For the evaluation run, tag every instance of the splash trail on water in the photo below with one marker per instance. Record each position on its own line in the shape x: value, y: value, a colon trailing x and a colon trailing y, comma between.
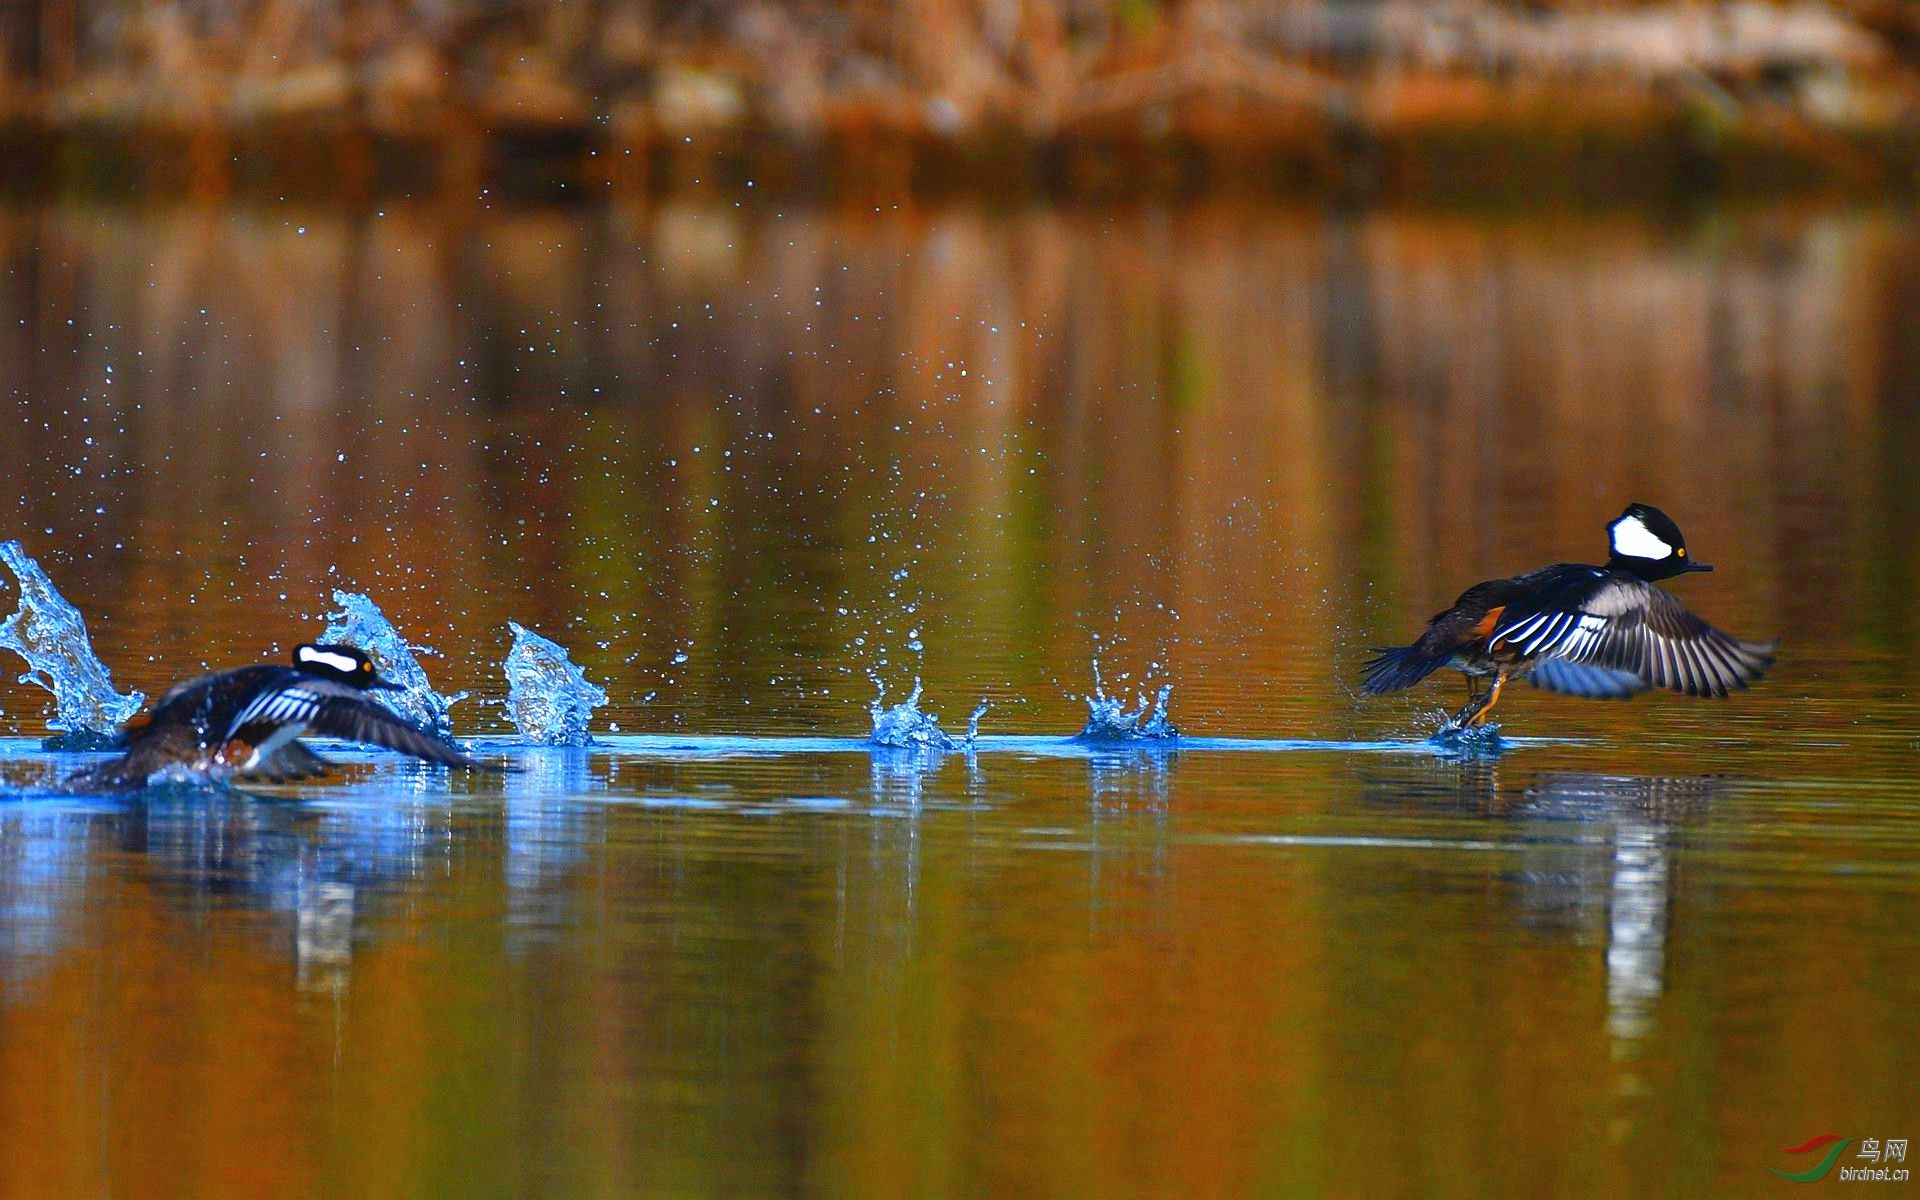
x: 1472, y: 741
x: 361, y: 624
x: 548, y: 696
x: 1110, y: 720
x: 905, y: 726
x: 51, y: 635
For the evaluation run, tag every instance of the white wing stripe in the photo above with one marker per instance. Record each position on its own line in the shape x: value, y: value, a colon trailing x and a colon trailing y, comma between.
x: 285, y: 706
x: 1569, y: 635
x: 1585, y: 639
x: 1517, y: 630
x: 1549, y: 636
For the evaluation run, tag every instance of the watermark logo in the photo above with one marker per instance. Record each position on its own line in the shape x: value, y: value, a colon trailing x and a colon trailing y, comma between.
x: 1871, y: 1149
x: 1807, y: 1147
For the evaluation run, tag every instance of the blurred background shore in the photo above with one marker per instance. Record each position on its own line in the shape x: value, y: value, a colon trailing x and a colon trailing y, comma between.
x: 1003, y: 99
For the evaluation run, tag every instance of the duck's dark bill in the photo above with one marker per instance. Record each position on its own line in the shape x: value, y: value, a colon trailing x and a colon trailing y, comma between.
x: 1698, y: 566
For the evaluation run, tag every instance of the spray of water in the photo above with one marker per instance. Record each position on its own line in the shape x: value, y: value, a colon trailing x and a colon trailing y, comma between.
x: 361, y: 624
x: 51, y: 635
x: 1109, y: 719
x: 1472, y: 741
x: 548, y: 696
x: 905, y: 726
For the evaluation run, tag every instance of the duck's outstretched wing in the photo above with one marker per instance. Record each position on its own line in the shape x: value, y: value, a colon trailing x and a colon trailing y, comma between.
x: 291, y: 763
x: 1625, y: 625
x: 1581, y: 679
x: 336, y: 710
x: 355, y: 717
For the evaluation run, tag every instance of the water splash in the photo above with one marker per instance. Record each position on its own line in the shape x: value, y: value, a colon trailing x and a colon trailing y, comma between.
x: 361, y: 624
x: 973, y: 722
x: 1110, y: 720
x: 905, y: 726
x: 51, y: 635
x: 548, y: 697
x: 1471, y: 741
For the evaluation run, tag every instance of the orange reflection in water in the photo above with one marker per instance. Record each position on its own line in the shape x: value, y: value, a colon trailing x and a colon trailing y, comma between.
x: 1244, y: 444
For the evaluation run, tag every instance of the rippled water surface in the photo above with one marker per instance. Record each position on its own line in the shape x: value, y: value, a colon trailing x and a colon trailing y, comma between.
x: 749, y: 465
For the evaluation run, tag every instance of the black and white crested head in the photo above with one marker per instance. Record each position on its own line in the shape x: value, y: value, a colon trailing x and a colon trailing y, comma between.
x: 339, y: 663
x: 1647, y: 543
x: 1645, y: 532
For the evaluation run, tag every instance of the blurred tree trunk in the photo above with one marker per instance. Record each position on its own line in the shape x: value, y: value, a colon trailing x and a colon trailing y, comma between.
x: 39, y: 41
x: 59, y: 41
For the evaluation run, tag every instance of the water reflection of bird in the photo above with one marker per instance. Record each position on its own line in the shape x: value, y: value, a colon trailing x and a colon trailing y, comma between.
x: 1651, y: 799
x: 247, y: 723
x: 1602, y: 632
x: 323, y: 870
x: 1635, y: 879
x: 1596, y: 860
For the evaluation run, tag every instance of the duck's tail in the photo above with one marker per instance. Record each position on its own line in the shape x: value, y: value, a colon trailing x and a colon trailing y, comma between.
x: 1396, y: 667
x: 121, y: 773
x: 131, y: 768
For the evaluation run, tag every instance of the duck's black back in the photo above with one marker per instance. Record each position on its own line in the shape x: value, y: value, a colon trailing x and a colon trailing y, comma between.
x: 209, y: 704
x: 1562, y: 587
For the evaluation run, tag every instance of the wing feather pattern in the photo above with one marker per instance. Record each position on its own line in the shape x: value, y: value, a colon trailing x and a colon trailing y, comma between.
x: 336, y: 710
x: 1629, y: 628
x: 354, y: 718
x: 1579, y: 679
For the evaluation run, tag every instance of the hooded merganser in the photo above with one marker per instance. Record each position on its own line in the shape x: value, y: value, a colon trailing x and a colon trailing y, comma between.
x: 1586, y: 631
x: 244, y: 722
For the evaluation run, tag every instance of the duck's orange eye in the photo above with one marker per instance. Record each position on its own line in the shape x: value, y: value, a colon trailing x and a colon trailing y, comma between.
x: 1683, y: 552
x: 369, y: 666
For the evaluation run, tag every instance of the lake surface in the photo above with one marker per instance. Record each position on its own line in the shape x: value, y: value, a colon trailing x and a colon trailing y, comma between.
x: 745, y: 463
